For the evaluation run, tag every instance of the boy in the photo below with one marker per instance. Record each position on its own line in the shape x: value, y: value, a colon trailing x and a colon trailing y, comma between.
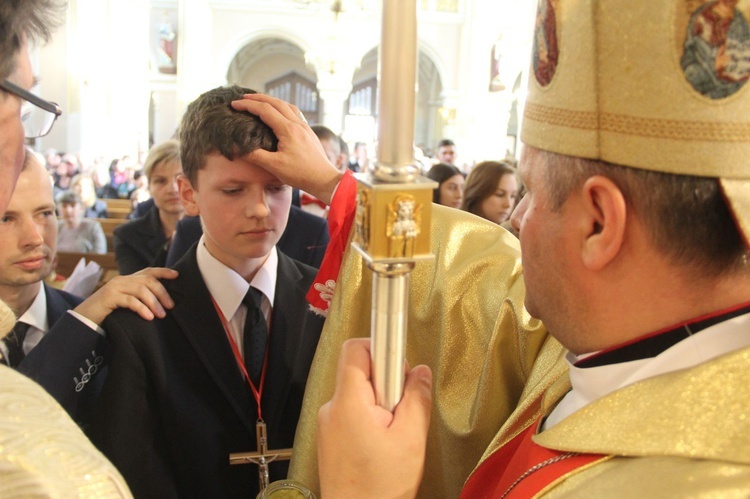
x: 177, y: 400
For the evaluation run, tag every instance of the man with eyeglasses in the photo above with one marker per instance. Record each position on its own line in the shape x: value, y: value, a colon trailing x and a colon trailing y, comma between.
x: 42, y: 451
x: 37, y: 114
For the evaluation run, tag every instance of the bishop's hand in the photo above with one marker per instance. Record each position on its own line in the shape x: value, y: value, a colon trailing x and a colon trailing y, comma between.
x: 365, y: 451
x: 300, y: 160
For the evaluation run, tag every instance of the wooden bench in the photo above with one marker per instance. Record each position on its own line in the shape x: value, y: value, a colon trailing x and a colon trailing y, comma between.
x: 108, y: 226
x: 118, y: 208
x: 118, y: 203
x: 118, y: 213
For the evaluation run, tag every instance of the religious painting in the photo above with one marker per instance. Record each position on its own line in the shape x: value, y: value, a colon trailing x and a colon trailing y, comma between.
x: 163, y: 28
x: 715, y: 45
x: 545, y: 51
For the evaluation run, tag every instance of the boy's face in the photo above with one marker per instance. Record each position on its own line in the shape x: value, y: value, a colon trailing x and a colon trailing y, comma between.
x: 243, y: 209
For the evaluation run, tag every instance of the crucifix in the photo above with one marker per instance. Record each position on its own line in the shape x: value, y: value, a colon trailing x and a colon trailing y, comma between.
x: 262, y: 457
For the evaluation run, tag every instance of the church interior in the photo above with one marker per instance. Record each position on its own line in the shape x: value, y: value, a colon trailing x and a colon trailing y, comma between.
x: 123, y: 71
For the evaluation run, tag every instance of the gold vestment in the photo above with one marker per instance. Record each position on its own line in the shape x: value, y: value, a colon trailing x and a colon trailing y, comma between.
x: 466, y: 321
x: 43, y: 453
x: 680, y: 434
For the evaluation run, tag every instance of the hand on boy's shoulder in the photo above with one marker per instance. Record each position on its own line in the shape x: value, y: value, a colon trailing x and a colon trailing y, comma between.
x: 141, y: 292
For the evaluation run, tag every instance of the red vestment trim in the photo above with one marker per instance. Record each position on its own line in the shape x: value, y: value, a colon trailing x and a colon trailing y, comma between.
x: 340, y: 220
x: 497, y: 475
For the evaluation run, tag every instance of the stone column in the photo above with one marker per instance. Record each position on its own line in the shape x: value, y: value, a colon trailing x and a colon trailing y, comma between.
x: 333, y: 89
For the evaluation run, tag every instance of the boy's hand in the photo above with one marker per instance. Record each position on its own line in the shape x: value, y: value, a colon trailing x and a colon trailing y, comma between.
x: 140, y: 292
x: 300, y: 160
x: 365, y: 451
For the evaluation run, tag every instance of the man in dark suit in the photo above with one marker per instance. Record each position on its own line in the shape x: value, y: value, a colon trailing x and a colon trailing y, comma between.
x: 305, y: 238
x: 57, y: 341
x: 185, y: 391
x: 28, y: 244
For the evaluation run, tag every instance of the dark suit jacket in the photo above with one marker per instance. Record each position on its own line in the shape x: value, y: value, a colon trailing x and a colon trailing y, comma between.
x: 305, y: 238
x: 69, y: 360
x: 142, y: 208
x: 58, y: 303
x: 174, y: 404
x: 140, y: 243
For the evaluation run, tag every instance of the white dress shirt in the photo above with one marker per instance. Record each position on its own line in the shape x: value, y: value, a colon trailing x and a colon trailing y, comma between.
x: 228, y: 288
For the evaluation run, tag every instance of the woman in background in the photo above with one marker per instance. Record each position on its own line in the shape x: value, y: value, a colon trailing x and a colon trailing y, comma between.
x: 450, y: 190
x: 93, y: 207
x: 491, y: 191
x: 76, y: 234
x: 144, y: 242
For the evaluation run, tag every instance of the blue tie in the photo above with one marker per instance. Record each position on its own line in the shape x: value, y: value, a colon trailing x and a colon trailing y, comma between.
x: 254, y: 335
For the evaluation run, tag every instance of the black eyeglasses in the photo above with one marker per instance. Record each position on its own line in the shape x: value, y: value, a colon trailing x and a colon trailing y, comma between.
x: 37, y: 114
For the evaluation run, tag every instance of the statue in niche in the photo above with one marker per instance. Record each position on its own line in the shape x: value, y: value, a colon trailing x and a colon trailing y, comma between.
x: 496, y: 83
x: 167, y: 50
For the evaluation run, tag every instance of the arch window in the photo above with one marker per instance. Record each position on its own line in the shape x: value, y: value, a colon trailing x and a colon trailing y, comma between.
x: 298, y: 90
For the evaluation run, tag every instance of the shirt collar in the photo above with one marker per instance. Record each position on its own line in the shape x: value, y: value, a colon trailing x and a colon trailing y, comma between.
x: 227, y: 287
x: 36, y: 315
x: 592, y: 383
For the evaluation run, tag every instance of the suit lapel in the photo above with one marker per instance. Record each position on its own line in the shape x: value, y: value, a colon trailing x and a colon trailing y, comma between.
x: 198, y: 320
x: 154, y: 235
x: 56, y: 305
x: 284, y: 341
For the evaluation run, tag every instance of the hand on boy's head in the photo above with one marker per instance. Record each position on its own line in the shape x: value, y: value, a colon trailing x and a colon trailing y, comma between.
x: 358, y: 440
x: 140, y: 292
x: 300, y: 160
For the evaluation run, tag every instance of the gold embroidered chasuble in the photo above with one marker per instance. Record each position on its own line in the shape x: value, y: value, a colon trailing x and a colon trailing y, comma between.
x: 43, y: 453
x: 466, y: 321
x: 681, y: 434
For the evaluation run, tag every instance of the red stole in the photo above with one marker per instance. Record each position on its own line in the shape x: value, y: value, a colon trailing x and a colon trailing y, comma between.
x: 498, y: 476
x: 340, y: 221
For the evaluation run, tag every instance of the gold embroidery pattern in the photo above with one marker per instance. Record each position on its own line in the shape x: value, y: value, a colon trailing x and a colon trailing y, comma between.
x: 645, y: 127
x: 677, y: 130
x: 562, y: 117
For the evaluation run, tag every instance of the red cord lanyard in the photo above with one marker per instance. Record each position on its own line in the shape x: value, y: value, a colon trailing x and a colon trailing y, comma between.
x: 257, y: 393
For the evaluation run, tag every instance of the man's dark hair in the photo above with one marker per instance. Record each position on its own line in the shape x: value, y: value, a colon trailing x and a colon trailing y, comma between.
x: 446, y: 143
x: 686, y: 217
x: 36, y: 19
x: 211, y: 125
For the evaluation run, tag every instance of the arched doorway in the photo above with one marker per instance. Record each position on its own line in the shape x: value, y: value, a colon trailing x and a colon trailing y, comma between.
x: 277, y: 67
x: 360, y: 119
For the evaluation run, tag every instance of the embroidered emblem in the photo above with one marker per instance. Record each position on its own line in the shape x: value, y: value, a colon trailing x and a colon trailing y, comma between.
x: 545, y: 52
x: 716, y: 49
x: 326, y: 290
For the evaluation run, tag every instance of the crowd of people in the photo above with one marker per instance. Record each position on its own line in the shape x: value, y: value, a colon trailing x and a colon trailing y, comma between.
x: 603, y: 353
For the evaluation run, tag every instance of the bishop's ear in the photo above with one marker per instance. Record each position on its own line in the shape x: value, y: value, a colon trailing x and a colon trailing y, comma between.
x: 187, y: 196
x: 606, y: 212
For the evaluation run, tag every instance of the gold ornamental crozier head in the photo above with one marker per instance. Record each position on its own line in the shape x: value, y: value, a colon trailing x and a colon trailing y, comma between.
x: 392, y: 221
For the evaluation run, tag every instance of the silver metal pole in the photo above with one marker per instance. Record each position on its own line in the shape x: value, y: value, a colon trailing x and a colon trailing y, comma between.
x: 394, y: 202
